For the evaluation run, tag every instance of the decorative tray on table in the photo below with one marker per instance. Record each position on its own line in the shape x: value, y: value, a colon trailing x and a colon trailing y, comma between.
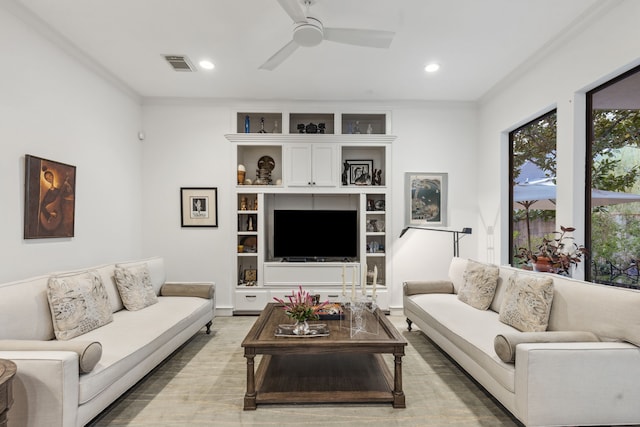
x: 331, y: 311
x: 315, y: 330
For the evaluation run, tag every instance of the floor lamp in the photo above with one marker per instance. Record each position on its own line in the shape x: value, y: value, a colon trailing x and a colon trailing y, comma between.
x: 457, y: 235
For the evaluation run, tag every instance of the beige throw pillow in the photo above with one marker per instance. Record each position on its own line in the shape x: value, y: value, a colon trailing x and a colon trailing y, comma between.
x: 134, y: 286
x: 79, y: 303
x: 527, y: 303
x: 479, y: 286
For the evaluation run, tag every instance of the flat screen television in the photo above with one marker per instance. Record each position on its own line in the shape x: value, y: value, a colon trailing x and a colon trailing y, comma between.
x: 315, y: 234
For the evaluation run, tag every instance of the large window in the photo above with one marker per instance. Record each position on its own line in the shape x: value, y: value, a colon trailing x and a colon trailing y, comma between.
x: 613, y: 201
x: 532, y: 182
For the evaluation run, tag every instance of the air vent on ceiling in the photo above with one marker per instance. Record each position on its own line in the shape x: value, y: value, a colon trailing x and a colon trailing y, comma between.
x: 180, y: 63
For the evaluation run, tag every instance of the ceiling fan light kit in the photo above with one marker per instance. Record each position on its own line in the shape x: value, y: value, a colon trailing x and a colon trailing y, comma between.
x: 308, y: 33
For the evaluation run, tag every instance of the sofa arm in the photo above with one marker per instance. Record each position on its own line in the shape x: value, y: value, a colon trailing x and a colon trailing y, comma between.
x: 175, y: 289
x: 45, y: 388
x: 505, y: 344
x: 593, y: 383
x: 89, y: 352
x: 413, y: 287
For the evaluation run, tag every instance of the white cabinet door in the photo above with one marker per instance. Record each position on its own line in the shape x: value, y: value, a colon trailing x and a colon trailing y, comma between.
x: 298, y: 165
x: 311, y: 165
x: 324, y: 164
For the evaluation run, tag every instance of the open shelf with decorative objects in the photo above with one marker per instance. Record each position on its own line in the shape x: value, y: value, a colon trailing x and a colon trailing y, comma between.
x: 315, y: 123
x: 259, y: 122
x: 293, y: 171
x: 376, y: 237
x: 247, y: 239
x: 364, y: 123
x: 364, y: 165
x: 262, y: 164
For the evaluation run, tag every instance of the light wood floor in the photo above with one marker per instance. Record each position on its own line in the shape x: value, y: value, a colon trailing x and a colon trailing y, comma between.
x: 203, y: 384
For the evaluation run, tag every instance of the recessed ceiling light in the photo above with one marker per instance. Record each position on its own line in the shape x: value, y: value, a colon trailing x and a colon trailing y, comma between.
x: 432, y: 68
x: 207, y: 65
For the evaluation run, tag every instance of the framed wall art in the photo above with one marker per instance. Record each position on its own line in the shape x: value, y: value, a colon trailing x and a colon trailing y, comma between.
x: 358, y: 172
x: 426, y: 199
x: 49, y: 198
x: 199, y: 206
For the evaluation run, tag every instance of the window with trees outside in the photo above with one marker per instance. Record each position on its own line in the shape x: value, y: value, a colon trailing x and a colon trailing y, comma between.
x: 613, y: 202
x: 532, y: 168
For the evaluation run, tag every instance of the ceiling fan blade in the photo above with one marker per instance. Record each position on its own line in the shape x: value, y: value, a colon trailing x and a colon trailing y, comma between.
x: 280, y: 56
x: 294, y: 10
x: 368, y: 38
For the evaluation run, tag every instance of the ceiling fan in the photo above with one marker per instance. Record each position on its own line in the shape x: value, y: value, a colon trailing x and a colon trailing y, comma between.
x: 309, y: 31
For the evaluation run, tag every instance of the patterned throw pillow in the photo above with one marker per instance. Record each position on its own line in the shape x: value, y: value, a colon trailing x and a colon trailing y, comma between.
x: 134, y: 286
x: 527, y: 303
x: 79, y: 303
x: 480, y: 282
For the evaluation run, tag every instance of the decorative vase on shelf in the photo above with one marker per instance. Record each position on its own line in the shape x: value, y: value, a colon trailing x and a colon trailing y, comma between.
x: 247, y: 124
x: 262, y: 126
x: 301, y: 327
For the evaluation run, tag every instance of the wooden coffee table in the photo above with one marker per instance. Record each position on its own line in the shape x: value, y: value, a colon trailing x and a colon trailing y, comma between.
x: 331, y: 369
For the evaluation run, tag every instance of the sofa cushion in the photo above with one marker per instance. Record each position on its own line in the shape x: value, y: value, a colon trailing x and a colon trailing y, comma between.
x: 134, y: 286
x: 505, y: 344
x: 133, y: 336
x: 29, y: 319
x: 156, y: 269
x: 79, y: 303
x: 89, y: 352
x: 527, y: 302
x: 470, y: 330
x: 479, y: 286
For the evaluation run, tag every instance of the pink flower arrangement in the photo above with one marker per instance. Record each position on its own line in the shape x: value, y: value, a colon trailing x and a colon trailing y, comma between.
x: 300, y: 305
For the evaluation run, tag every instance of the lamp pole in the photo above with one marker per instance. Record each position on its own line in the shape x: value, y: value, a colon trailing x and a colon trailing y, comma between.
x: 457, y: 235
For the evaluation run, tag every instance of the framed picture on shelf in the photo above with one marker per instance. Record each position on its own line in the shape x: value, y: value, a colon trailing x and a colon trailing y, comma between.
x: 426, y: 198
x: 199, y: 206
x: 49, y: 198
x: 359, y: 172
x: 250, y: 275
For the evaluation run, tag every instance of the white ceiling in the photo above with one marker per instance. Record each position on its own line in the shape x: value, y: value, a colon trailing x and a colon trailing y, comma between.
x: 477, y: 42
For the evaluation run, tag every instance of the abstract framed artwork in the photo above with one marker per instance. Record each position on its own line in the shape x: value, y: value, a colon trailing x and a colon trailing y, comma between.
x: 199, y: 206
x: 426, y: 198
x: 49, y: 198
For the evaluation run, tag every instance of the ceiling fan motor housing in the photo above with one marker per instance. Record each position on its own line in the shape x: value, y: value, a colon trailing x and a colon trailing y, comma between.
x: 308, y: 33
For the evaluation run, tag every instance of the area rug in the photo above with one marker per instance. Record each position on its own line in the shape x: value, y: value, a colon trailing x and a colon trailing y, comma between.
x: 203, y: 384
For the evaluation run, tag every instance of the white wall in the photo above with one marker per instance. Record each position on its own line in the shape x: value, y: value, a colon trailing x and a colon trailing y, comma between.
x: 185, y: 147
x: 53, y: 107
x: 602, y: 47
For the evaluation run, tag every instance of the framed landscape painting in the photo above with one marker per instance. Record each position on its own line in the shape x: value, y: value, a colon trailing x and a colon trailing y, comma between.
x: 199, y: 206
x: 49, y: 198
x: 426, y: 199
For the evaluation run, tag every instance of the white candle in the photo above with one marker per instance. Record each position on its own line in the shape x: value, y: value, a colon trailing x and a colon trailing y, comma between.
x: 364, y: 280
x: 375, y: 278
x: 353, y: 284
x: 344, y: 285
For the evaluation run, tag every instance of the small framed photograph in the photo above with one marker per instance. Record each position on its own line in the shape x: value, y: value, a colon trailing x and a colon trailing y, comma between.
x: 359, y: 172
x: 426, y: 199
x: 250, y: 275
x: 50, y: 195
x: 199, y: 206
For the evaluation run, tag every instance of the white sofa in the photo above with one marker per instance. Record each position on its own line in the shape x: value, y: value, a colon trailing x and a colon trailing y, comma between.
x: 50, y: 388
x: 550, y: 383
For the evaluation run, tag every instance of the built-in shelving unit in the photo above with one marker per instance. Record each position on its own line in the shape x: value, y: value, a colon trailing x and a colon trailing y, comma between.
x: 334, y: 169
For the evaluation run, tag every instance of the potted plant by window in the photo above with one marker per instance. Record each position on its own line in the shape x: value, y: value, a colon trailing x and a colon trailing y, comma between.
x: 557, y: 254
